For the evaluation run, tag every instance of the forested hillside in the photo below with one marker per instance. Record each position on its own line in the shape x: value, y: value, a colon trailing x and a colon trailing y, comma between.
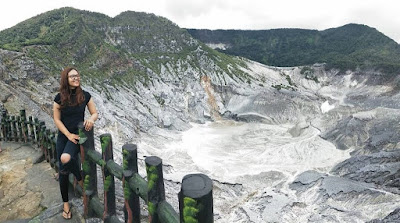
x: 348, y: 47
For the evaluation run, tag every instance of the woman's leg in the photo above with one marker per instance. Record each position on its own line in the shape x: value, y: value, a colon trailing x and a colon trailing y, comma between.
x: 63, y: 172
x: 67, y: 157
x: 63, y: 175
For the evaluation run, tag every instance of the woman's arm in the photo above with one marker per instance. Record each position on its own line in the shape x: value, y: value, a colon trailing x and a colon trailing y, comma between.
x: 57, y: 120
x: 93, y: 115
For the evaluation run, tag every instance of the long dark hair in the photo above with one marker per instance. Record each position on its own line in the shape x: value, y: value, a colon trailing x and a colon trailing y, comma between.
x: 65, y: 91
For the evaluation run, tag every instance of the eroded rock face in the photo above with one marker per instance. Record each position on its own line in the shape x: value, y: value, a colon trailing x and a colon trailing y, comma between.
x: 17, y: 202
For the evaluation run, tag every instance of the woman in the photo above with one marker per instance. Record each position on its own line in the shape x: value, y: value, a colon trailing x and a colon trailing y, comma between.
x: 68, y: 111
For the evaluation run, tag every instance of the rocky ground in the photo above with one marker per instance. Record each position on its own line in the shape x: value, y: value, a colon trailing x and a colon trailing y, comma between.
x: 28, y: 191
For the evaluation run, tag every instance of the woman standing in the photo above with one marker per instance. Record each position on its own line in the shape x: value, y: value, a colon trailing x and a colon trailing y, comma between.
x: 68, y: 111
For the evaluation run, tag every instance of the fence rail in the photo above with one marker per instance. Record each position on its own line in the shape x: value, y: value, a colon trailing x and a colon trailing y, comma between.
x: 195, y: 197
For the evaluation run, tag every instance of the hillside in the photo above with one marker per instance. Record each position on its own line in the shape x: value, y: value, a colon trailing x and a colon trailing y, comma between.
x: 129, y: 47
x: 348, y: 47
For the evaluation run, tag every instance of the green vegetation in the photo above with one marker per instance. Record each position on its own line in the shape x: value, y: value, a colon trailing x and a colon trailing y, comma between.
x: 308, y: 72
x: 102, y: 163
x: 127, y: 191
x: 351, y: 46
x: 86, y: 182
x: 125, y: 154
x: 152, y: 177
x: 151, y: 207
x: 282, y: 86
x: 86, y: 167
x: 107, y: 183
x: 105, y: 141
x: 190, y: 210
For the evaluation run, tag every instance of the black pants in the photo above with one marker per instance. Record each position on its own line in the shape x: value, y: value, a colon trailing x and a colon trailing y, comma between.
x: 65, y: 146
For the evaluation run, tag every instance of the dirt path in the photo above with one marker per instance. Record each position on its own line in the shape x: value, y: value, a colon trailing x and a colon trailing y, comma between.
x: 28, y: 190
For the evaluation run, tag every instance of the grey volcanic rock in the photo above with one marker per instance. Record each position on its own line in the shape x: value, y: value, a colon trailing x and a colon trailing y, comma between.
x: 306, y: 180
x: 391, y: 218
x: 382, y: 168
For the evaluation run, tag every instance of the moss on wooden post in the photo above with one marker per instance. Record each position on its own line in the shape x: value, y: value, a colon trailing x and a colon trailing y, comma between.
x: 53, y: 151
x: 155, y: 186
x: 40, y: 133
x: 4, y: 125
x: 24, y: 125
x: 89, y: 169
x: 195, y: 199
x: 19, y: 127
x: 130, y: 166
x: 37, y: 128
x: 108, y: 178
x: 48, y: 145
x: 31, y: 126
x: 14, y: 128
x: 9, y: 129
x: 43, y: 142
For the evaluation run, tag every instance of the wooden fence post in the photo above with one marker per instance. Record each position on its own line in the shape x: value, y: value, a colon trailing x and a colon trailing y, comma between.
x: 86, y: 141
x: 108, y: 178
x: 130, y: 166
x: 53, y: 153
x: 19, y: 126
x: 195, y: 199
x: 43, y: 141
x: 37, y: 124
x: 31, y: 137
x: 4, y: 125
x: 24, y: 126
x: 14, y: 128
x: 8, y: 128
x: 48, y: 145
x: 155, y: 186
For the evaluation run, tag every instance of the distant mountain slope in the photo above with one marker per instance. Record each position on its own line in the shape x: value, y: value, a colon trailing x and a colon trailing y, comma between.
x: 129, y: 47
x: 348, y: 47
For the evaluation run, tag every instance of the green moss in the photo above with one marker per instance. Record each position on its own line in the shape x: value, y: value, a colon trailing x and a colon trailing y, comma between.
x: 105, y: 141
x: 107, y: 183
x: 187, y: 201
x: 189, y: 219
x: 125, y: 162
x: 152, y: 177
x: 102, y: 163
x: 151, y: 207
x: 86, y: 167
x: 127, y: 191
x: 190, y: 210
x: 86, y: 182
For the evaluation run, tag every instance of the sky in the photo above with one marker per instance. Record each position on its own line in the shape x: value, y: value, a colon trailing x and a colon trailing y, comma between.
x: 230, y: 14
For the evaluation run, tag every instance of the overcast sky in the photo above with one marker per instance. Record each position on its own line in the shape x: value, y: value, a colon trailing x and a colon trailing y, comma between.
x: 231, y: 14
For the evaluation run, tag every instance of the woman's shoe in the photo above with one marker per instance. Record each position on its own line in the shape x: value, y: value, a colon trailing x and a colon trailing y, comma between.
x: 67, y: 215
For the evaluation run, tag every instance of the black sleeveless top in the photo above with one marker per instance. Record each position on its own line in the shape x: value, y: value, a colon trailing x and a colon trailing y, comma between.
x: 71, y: 116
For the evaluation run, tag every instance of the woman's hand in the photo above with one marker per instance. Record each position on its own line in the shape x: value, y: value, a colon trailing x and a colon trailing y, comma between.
x: 73, y: 138
x: 88, y: 124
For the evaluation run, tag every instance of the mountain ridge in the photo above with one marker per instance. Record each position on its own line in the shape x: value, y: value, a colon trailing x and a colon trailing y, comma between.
x: 349, y: 47
x: 129, y: 47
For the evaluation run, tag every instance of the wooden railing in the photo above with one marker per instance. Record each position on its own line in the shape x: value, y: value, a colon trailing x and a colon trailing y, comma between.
x: 195, y: 197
